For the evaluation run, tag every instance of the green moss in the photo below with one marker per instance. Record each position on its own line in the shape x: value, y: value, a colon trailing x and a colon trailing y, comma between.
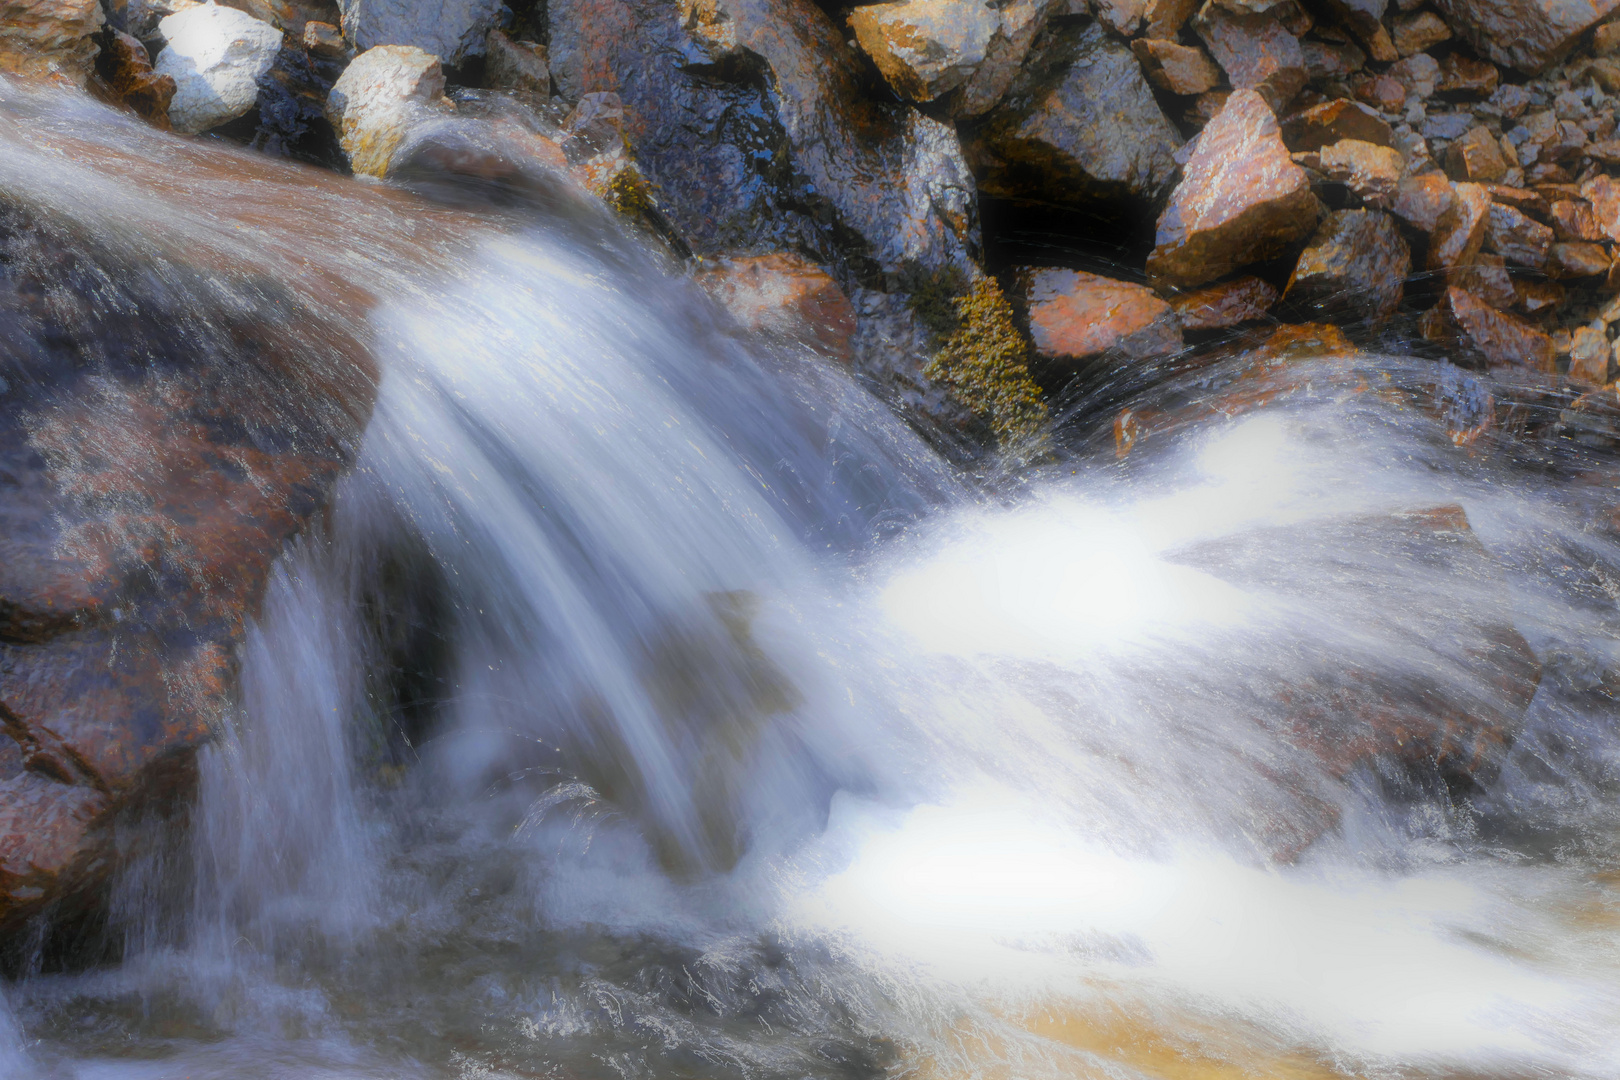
x: 628, y: 192
x: 932, y: 294
x: 985, y: 363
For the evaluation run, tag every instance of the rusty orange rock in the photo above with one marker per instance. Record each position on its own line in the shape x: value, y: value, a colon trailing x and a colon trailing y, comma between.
x: 1420, y: 200
x: 49, y: 38
x: 1075, y: 316
x: 1459, y: 231
x: 1256, y: 52
x: 1227, y: 303
x: 1517, y: 237
x: 1525, y: 34
x: 1353, y: 269
x: 1476, y: 157
x: 1501, y: 340
x: 1329, y: 122
x: 132, y: 80
x: 1180, y: 69
x: 785, y: 295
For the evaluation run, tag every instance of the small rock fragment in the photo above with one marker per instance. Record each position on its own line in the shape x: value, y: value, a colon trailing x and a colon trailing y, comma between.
x: 215, y: 55
x: 1537, y: 297
x: 1075, y: 316
x: 1462, y: 74
x: 324, y: 39
x: 1418, y: 73
x: 1459, y: 232
x: 1256, y: 52
x: 1227, y: 303
x: 1420, y: 200
x: 515, y: 65
x: 1352, y: 270
x: 1331, y: 121
x: 378, y: 98
x: 1573, y: 219
x: 1371, y: 172
x: 1165, y: 18
x: 1419, y: 33
x: 1500, y: 339
x: 1180, y: 69
x: 1589, y: 355
x: 1487, y: 278
x: 1330, y: 59
x: 1576, y: 259
x: 1606, y: 39
x: 1476, y: 157
x: 1516, y: 237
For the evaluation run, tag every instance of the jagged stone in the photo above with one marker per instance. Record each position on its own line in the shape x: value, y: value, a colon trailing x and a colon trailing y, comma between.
x: 1459, y: 231
x: 49, y: 38
x: 1419, y: 32
x: 1353, y: 269
x: 1516, y: 237
x: 1525, y: 34
x: 377, y: 100
x: 1589, y: 355
x: 1373, y: 173
x: 130, y: 78
x: 216, y: 56
x: 1331, y: 121
x: 1180, y: 69
x: 1501, y: 340
x: 1075, y: 316
x: 515, y: 65
x: 1225, y: 304
x: 1463, y: 75
x: 1573, y: 219
x: 324, y: 39
x: 1477, y: 157
x: 1576, y: 259
x: 1256, y: 52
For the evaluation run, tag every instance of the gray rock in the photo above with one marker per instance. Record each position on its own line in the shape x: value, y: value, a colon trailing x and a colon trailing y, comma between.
x: 379, y: 98
x: 1525, y: 34
x: 452, y: 30
x: 216, y: 56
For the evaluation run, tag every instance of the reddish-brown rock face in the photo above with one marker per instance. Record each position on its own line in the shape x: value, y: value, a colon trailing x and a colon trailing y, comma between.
x: 1229, y: 303
x: 1459, y: 231
x: 1352, y: 270
x: 1603, y: 192
x: 1516, y: 237
x: 1500, y: 339
x: 1075, y: 316
x: 1256, y: 52
x: 1241, y: 199
x: 1525, y: 34
x: 49, y: 38
x: 785, y: 295
x: 132, y: 81
x: 1180, y: 69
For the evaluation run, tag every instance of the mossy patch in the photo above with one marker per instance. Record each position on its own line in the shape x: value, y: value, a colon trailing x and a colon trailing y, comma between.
x: 628, y: 192
x: 932, y: 295
x: 985, y: 364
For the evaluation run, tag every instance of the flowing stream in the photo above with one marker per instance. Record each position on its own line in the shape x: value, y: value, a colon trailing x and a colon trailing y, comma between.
x: 652, y: 703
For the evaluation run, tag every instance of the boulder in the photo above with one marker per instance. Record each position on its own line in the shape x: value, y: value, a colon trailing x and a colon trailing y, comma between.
x: 1525, y: 34
x: 785, y: 296
x: 1501, y: 340
x: 1079, y: 126
x: 49, y: 38
x: 1353, y: 270
x: 967, y: 50
x: 1179, y: 69
x: 452, y: 30
x: 1225, y: 304
x: 378, y: 98
x: 1076, y: 316
x: 1256, y: 51
x: 1331, y: 121
x: 1372, y: 172
x: 1419, y: 32
x: 1241, y: 199
x: 130, y: 78
x: 1517, y: 238
x: 216, y: 56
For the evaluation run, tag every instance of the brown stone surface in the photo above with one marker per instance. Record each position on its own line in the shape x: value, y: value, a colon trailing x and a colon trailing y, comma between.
x: 1256, y: 52
x: 1164, y: 18
x: 1373, y: 173
x: 1476, y: 157
x: 515, y: 65
x: 49, y: 38
x: 1241, y: 199
x: 1576, y: 259
x: 324, y: 39
x: 1486, y: 277
x: 1419, y: 32
x: 1501, y: 340
x: 1537, y: 297
x: 1080, y: 126
x: 1524, y: 34
x: 1459, y: 231
x: 1420, y: 200
x: 1180, y: 69
x: 1516, y: 237
x: 1603, y: 192
x: 1074, y: 315
x: 1418, y: 73
x: 1382, y: 91
x: 1573, y: 219
x: 1353, y: 270
x: 1522, y: 199
x: 1463, y: 75
x: 1331, y: 121
x: 1589, y: 355
x: 1225, y: 304
x: 1331, y: 59
x: 786, y: 295
x: 129, y: 76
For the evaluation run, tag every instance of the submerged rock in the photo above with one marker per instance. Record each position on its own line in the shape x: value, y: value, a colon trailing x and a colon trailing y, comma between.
x: 49, y: 38
x: 452, y: 30
x: 1229, y: 303
x: 216, y: 56
x: 1076, y: 316
x: 784, y: 295
x: 377, y: 100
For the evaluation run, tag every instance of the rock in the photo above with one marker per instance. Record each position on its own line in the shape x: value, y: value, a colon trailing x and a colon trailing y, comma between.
x: 1516, y: 237
x: 1331, y: 121
x: 1459, y: 231
x: 1606, y: 39
x: 1577, y: 260
x: 1589, y: 355
x: 787, y: 296
x: 1228, y: 303
x: 1573, y: 219
x: 1500, y: 339
x: 1420, y: 200
x: 1603, y: 192
x: 1419, y: 74
x: 1373, y: 173
x: 451, y: 30
x: 1241, y: 199
x: 1352, y: 270
x: 1179, y: 69
x: 515, y: 65
x: 289, y: 15
x: 1525, y: 34
x: 216, y: 56
x: 129, y: 75
x: 324, y: 40
x: 1462, y: 74
x: 49, y: 38
x: 1079, y: 126
x: 927, y: 49
x: 1256, y: 53
x: 1476, y: 157
x: 1487, y: 278
x: 1419, y: 33
x: 1537, y: 297
x: 1121, y: 16
x: 1521, y: 199
x: 378, y: 98
x: 1076, y: 316
x: 1165, y: 18
x: 1325, y: 60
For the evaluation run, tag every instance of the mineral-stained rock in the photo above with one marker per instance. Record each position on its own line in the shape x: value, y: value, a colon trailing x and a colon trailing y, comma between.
x: 1256, y: 53
x: 130, y: 77
x: 1227, y: 303
x: 515, y: 65
x: 1418, y: 73
x: 1524, y: 34
x: 1603, y: 192
x: 1165, y: 18
x: 1575, y: 259
x: 1075, y: 316
x: 1180, y: 69
x: 1486, y: 277
x: 1606, y: 39
x: 785, y: 295
x: 1500, y: 339
x: 971, y: 50
x: 1372, y: 172
x: 1382, y: 91
x: 1589, y: 355
x: 49, y: 37
x: 215, y: 55
x: 324, y: 40
x: 377, y: 99
x: 1516, y: 237
x: 1241, y: 199
x: 1353, y: 269
x: 1079, y: 126
x: 1462, y: 74
x: 1419, y: 33
x: 1420, y: 200
x: 1477, y: 157
x: 1537, y: 297
x: 1573, y: 219
x: 1331, y: 59
x: 451, y: 30
x: 1459, y: 231
x: 1319, y: 125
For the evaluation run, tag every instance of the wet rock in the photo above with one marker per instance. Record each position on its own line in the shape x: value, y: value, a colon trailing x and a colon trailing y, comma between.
x: 1419, y: 33
x: 1525, y: 34
x: 927, y: 49
x: 1476, y: 157
x: 216, y: 56
x: 1256, y: 52
x: 1331, y: 121
x: 1353, y: 269
x: 452, y: 30
x: 1419, y: 74
x: 1077, y: 316
x: 1459, y: 231
x: 515, y: 65
x: 1241, y: 199
x: 1589, y: 355
x: 1486, y: 277
x: 377, y: 100
x: 1461, y: 74
x: 1228, y: 303
x: 1080, y: 126
x: 1383, y: 92
x: 1501, y: 340
x: 1179, y: 69
x: 1573, y: 219
x: 1165, y: 18
x: 1575, y: 259
x: 1603, y: 192
x: 49, y: 38
x: 787, y: 296
x: 1420, y: 200
x: 1516, y: 237
x: 1373, y: 173
x: 1325, y: 60
x: 127, y: 70
x: 324, y: 40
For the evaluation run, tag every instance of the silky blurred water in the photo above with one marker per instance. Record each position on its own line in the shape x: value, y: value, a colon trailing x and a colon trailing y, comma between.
x: 652, y: 703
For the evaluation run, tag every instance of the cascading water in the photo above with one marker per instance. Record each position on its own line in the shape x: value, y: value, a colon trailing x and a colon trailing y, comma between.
x: 651, y: 703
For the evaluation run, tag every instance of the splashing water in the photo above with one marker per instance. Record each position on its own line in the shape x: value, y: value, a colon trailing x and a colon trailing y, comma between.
x: 651, y: 703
